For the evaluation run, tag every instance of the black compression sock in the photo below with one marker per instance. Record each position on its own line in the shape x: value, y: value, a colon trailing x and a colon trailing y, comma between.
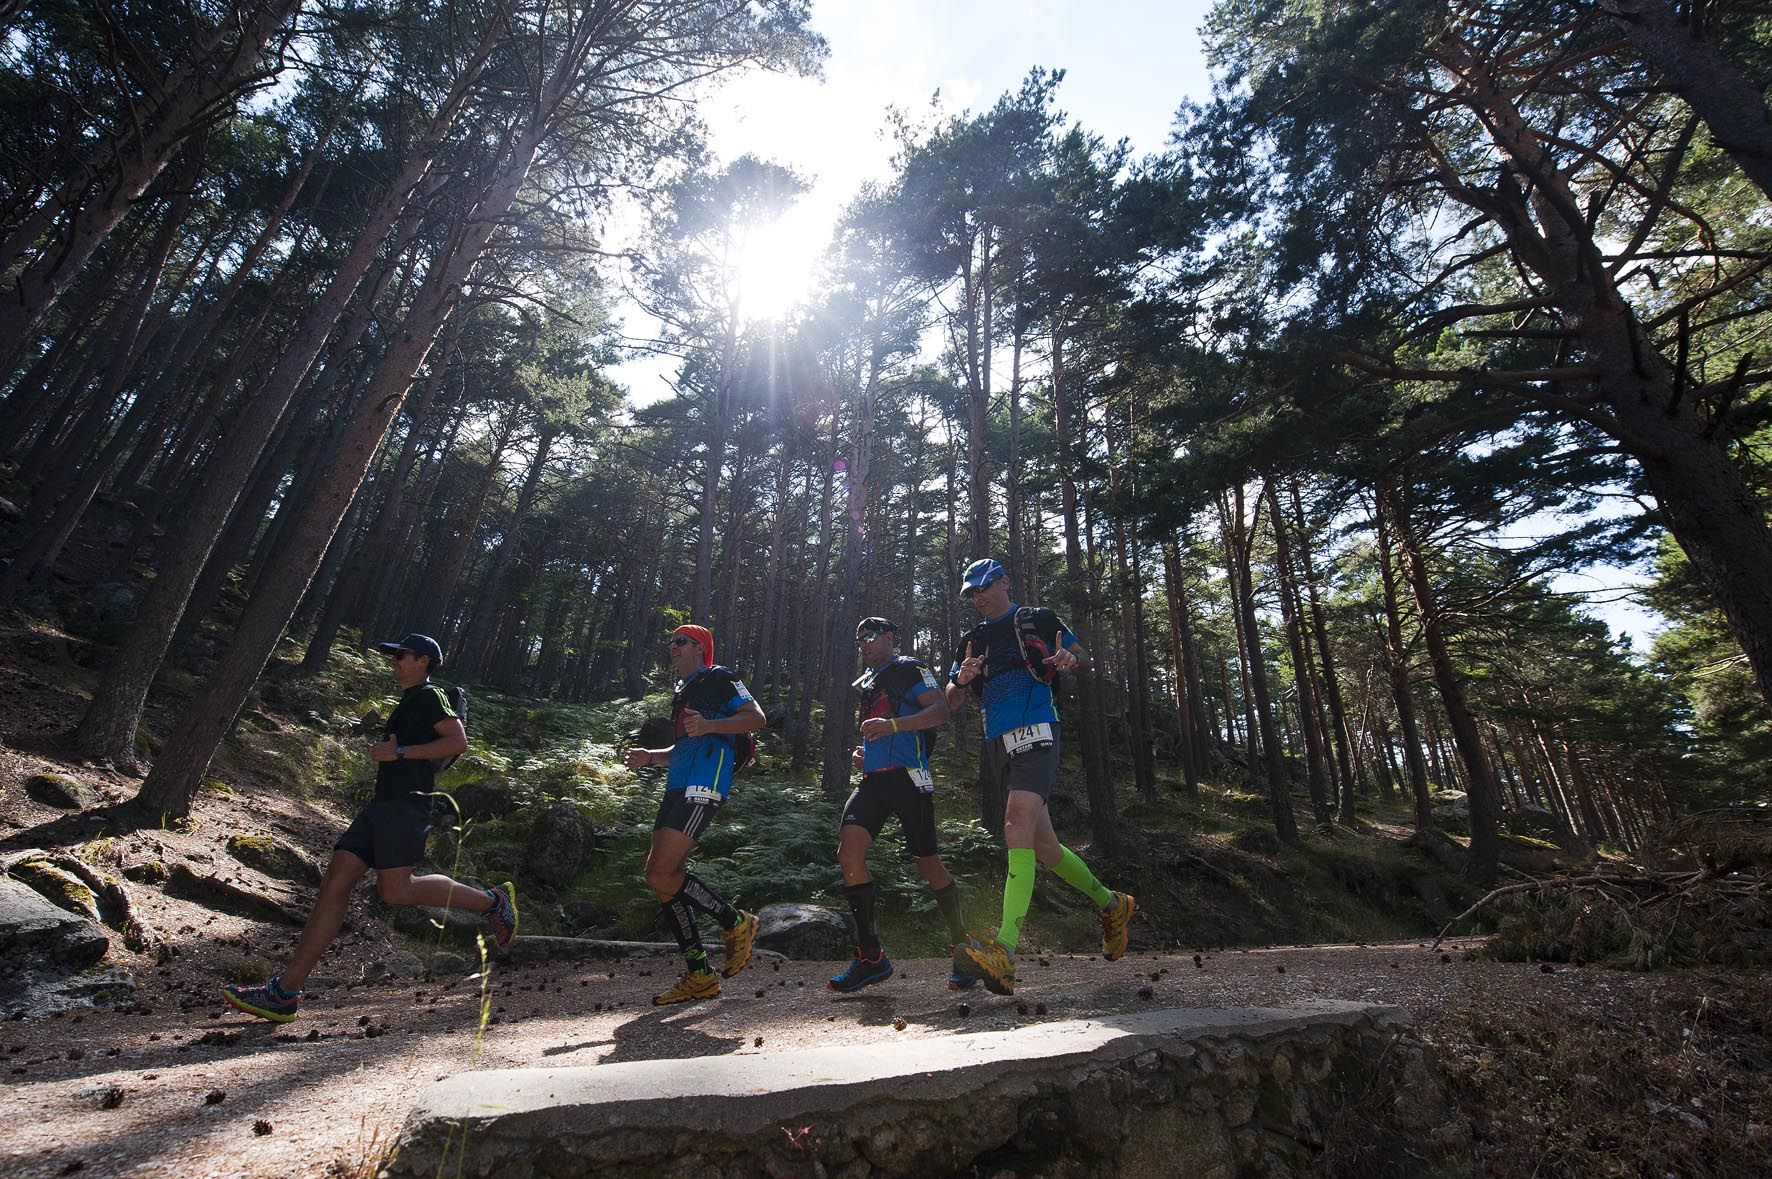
x: 708, y: 901
x: 948, y: 901
x: 681, y: 922
x: 861, y: 904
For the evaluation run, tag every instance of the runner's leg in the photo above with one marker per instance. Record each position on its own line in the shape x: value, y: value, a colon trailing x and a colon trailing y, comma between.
x: 858, y: 886
x: 917, y: 814
x: 934, y: 872
x: 853, y: 844
x: 398, y: 886
x: 664, y: 862
x: 343, y: 872
x: 664, y: 873
x: 699, y: 896
x: 1021, y: 830
x: 947, y: 895
x: 1116, y: 908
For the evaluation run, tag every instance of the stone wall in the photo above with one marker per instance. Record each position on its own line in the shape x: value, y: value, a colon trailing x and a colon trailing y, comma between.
x: 1330, y: 1088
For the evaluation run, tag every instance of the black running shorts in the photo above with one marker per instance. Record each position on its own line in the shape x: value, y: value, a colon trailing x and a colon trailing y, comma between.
x: 676, y: 812
x: 1034, y: 769
x: 389, y: 832
x: 891, y: 792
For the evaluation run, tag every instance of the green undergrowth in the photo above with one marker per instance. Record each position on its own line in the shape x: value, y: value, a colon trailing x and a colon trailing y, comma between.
x: 1207, y: 867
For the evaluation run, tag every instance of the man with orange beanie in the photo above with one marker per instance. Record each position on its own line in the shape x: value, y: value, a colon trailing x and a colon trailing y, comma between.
x: 711, y: 717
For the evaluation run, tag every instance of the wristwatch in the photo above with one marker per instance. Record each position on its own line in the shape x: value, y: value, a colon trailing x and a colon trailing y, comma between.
x: 400, y: 752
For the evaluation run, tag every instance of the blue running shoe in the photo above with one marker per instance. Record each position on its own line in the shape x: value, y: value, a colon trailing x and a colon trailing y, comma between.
x: 863, y: 972
x: 960, y: 976
x: 267, y: 1001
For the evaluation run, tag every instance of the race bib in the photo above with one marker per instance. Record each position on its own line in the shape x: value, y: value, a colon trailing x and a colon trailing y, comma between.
x: 922, y: 779
x: 1025, y: 738
x: 701, y: 793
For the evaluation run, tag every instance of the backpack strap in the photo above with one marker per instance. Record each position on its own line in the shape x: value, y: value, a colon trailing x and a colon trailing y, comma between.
x: 1036, y: 630
x: 458, y: 703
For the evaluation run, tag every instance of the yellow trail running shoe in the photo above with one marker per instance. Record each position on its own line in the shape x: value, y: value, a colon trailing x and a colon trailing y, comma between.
x: 990, y: 961
x: 1114, y: 920
x: 691, y: 985
x: 739, y: 940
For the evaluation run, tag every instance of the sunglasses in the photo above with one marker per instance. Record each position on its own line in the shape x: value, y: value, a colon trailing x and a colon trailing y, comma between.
x: 398, y: 656
x: 863, y: 640
x: 680, y: 641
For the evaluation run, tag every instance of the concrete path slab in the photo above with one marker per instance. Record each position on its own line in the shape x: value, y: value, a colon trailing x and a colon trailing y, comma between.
x: 918, y: 1107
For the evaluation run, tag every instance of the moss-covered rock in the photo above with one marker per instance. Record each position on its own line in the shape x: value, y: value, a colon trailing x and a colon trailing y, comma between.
x: 485, y: 798
x: 1259, y: 841
x: 1531, y: 856
x: 150, y: 872
x: 273, y: 857
x: 59, y: 887
x: 559, y: 845
x: 62, y: 791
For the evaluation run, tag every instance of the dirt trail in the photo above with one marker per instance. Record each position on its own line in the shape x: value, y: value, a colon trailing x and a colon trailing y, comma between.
x: 158, y: 1092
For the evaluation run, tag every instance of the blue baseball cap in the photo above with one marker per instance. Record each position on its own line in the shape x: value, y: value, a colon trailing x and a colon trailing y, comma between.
x: 416, y: 643
x: 980, y: 574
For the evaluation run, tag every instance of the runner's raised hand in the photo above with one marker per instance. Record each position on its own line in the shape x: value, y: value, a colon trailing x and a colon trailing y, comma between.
x: 972, y: 666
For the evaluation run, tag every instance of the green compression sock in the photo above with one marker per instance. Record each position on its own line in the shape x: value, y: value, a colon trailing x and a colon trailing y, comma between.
x: 1018, y: 893
x: 1076, y: 873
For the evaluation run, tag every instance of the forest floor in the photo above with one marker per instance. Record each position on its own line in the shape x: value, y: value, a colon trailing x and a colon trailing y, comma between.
x: 1571, y: 1072
x: 1564, y: 1070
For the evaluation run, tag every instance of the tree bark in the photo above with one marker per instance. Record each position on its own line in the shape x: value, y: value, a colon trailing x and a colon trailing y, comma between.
x: 1341, y: 732
x: 1733, y: 107
x: 476, y: 637
x: 1707, y: 503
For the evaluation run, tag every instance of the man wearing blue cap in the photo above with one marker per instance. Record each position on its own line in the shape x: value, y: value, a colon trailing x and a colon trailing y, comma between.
x: 389, y: 834
x: 1008, y: 662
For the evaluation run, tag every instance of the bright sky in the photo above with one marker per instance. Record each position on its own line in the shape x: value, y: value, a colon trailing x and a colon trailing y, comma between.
x: 1128, y: 65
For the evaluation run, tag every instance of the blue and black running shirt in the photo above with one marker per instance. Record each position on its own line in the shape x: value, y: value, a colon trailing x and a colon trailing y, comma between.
x: 702, y: 766
x: 898, y: 688
x: 1008, y: 694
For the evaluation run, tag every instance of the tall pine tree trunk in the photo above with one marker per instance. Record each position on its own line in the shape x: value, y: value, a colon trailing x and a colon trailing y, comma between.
x: 1242, y: 537
x: 1485, y: 846
x: 1104, y: 811
x: 1290, y: 605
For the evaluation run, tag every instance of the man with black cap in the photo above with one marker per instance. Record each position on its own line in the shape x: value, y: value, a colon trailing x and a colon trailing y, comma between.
x: 389, y: 834
x: 712, y: 717
x: 900, y: 705
x: 1008, y: 661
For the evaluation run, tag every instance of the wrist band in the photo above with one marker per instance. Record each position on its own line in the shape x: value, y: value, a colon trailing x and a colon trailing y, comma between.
x: 894, y: 724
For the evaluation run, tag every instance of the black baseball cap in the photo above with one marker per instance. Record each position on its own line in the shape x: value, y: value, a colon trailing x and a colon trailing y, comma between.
x: 875, y: 625
x: 417, y: 644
